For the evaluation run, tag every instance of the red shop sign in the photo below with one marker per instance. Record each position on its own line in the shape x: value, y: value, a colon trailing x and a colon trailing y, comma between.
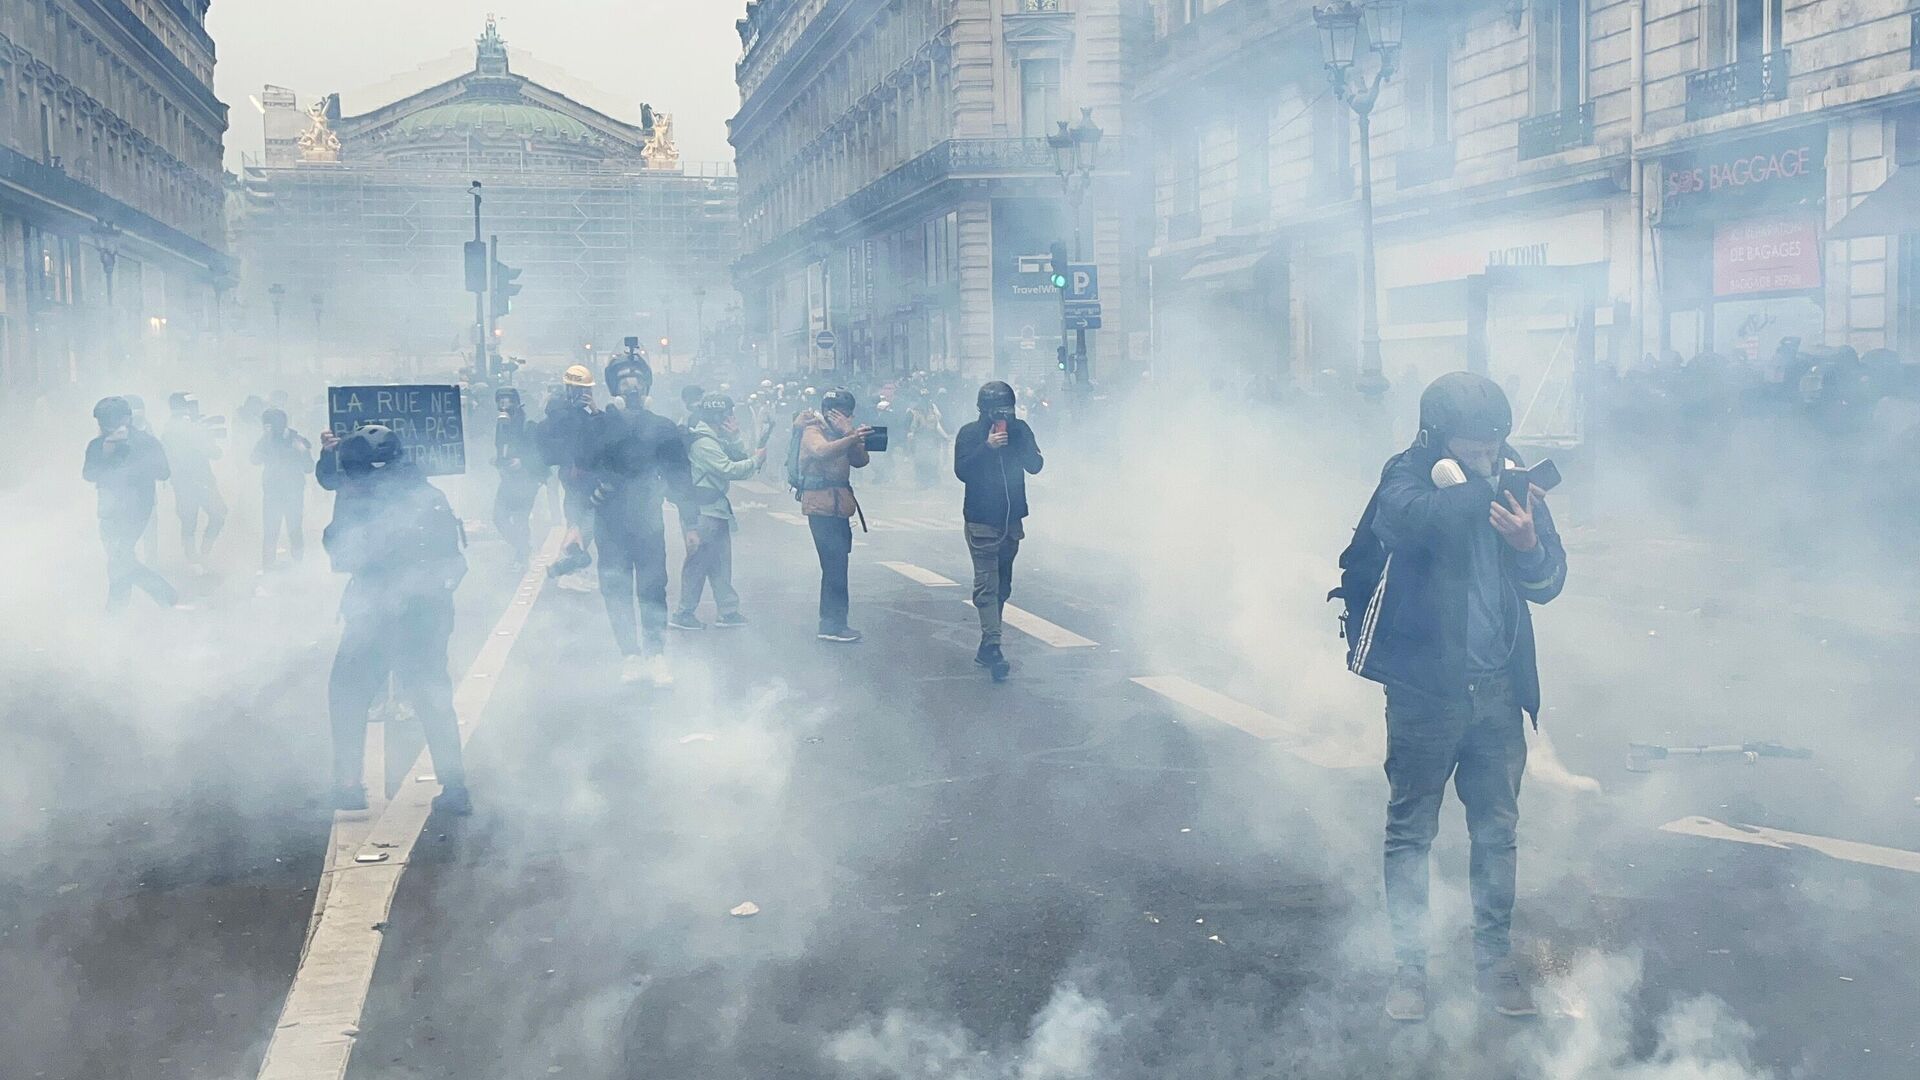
x: 1764, y: 255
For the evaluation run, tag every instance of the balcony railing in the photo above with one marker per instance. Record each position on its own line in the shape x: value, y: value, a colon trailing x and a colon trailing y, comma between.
x: 1737, y: 85
x: 1423, y: 166
x: 1183, y: 226
x: 1556, y: 131
x: 1040, y: 5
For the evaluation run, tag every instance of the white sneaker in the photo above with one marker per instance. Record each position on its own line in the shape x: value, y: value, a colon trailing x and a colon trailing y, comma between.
x: 633, y: 669
x: 659, y: 673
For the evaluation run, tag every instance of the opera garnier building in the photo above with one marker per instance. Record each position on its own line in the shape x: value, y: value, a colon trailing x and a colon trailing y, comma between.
x: 352, y: 227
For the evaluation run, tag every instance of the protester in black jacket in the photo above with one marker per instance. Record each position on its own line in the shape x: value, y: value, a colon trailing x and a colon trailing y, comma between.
x: 1448, y: 631
x: 394, y: 532
x: 283, y: 455
x: 639, y: 460
x: 124, y: 463
x: 517, y: 458
x: 992, y: 457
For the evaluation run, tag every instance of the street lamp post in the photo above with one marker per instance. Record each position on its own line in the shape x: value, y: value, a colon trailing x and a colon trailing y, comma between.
x: 106, y: 238
x: 277, y: 293
x: 1075, y: 150
x: 699, y: 322
x: 1339, y: 24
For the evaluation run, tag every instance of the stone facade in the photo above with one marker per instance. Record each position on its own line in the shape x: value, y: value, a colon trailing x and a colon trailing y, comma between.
x: 112, y: 201
x: 359, y: 220
x: 896, y: 186
x: 1533, y: 163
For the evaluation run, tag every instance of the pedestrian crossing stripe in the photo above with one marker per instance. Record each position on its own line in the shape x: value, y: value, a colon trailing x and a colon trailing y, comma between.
x: 920, y: 574
x: 1760, y: 836
x: 1323, y: 751
x: 1034, y: 626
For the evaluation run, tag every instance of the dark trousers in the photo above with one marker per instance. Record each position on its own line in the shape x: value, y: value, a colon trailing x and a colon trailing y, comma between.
x: 407, y: 642
x: 711, y: 562
x: 512, y: 512
x: 283, y: 508
x: 833, y: 541
x: 191, y: 503
x: 635, y: 566
x: 992, y: 550
x: 125, y: 571
x: 1481, y: 744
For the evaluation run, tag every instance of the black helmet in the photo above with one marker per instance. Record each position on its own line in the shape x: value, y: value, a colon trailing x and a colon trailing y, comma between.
x: 506, y: 397
x: 371, y: 446
x: 691, y: 396
x: 1461, y: 404
x: 714, y: 408
x: 112, y: 412
x: 624, y: 364
x: 275, y: 418
x: 996, y: 396
x: 838, y: 399
x: 180, y: 401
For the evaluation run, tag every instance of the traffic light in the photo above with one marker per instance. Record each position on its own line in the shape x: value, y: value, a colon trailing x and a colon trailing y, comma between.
x: 1057, y: 256
x: 505, y: 287
x: 1060, y: 356
x: 476, y: 255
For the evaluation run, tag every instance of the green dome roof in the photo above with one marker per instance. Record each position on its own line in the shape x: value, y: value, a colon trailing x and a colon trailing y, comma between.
x: 494, y: 117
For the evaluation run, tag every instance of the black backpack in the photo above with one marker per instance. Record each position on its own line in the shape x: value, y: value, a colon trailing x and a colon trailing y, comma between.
x: 1363, y: 567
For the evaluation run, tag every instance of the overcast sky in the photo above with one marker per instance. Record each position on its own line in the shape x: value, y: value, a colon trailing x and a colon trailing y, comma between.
x: 675, y: 54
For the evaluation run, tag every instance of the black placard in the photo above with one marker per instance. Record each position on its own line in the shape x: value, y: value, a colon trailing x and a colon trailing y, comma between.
x: 427, y: 419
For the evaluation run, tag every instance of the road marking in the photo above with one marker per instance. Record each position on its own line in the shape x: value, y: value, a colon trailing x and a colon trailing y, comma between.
x: 920, y: 574
x: 1325, y: 751
x: 758, y: 487
x: 1781, y: 839
x: 782, y: 515
x: 321, y: 1017
x: 1034, y: 626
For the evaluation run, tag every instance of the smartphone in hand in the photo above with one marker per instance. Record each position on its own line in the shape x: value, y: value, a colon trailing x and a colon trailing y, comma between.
x: 1544, y: 475
x: 999, y: 427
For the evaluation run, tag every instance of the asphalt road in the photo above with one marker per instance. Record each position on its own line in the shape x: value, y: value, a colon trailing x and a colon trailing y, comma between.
x: 1152, y: 853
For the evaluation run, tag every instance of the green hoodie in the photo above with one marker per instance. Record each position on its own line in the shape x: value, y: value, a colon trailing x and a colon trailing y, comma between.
x: 718, y: 460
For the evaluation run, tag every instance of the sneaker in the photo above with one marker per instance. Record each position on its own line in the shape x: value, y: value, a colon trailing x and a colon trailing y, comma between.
x: 633, y: 669
x: 991, y: 658
x: 1502, y: 990
x: 1407, y: 995
x: 685, y: 620
x: 730, y: 621
x: 846, y: 635
x: 658, y: 673
x: 351, y: 799
x: 455, y: 801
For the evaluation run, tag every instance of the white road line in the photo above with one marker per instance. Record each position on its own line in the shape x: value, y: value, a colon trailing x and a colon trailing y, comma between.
x: 920, y: 574
x: 1326, y: 752
x: 1760, y: 836
x: 321, y: 1017
x: 782, y: 515
x: 1034, y: 626
x: 758, y: 487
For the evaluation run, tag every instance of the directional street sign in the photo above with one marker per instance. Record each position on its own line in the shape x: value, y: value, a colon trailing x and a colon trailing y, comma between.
x: 1083, y: 282
x: 1082, y: 315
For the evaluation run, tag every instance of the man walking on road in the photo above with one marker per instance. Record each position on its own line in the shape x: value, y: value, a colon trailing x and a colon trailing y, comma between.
x: 639, y: 460
x: 831, y: 446
x: 124, y: 463
x: 191, y: 451
x: 992, y: 457
x: 516, y: 457
x: 1448, y: 631
x: 397, y: 537
x: 284, y: 456
x: 719, y: 457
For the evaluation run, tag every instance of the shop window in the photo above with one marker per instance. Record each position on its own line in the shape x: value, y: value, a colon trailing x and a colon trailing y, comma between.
x: 1040, y: 107
x: 1559, y: 55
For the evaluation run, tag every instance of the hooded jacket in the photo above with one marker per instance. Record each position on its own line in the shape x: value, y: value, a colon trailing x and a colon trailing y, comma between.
x: 826, y: 465
x: 1414, y: 634
x: 717, y: 461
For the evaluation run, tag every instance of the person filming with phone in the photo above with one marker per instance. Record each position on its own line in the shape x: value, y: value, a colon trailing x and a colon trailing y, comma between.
x: 992, y: 456
x: 1455, y: 547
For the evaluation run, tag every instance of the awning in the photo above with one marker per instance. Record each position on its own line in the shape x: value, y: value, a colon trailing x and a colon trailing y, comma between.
x: 1223, y: 267
x: 1888, y: 210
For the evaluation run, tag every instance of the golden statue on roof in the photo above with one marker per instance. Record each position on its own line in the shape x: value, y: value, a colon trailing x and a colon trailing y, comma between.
x: 658, y: 151
x: 318, y: 143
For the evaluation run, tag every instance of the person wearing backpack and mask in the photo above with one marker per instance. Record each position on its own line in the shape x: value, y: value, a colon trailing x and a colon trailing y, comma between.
x: 719, y: 456
x: 397, y: 537
x: 826, y: 447
x: 1438, y: 584
x: 992, y: 456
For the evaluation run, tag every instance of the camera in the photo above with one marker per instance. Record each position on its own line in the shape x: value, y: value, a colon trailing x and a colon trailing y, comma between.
x: 632, y: 342
x: 876, y: 441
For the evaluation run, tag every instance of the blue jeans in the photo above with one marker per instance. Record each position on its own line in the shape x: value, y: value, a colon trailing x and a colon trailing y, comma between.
x: 1481, y: 744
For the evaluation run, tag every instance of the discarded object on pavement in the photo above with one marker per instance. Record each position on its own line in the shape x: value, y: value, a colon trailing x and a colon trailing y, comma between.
x: 746, y: 910
x: 1641, y: 756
